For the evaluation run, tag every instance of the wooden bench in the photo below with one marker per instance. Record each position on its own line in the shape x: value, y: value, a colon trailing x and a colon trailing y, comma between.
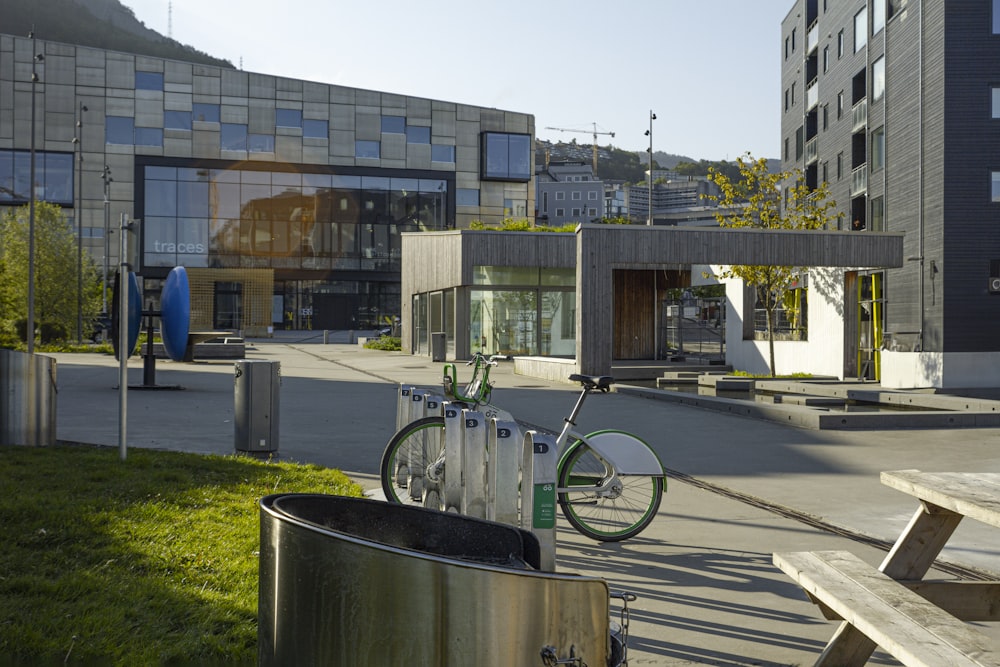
x: 908, y: 626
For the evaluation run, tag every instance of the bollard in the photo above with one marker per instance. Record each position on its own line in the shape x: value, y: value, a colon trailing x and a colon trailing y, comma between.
x: 326, y: 336
x: 256, y: 399
x: 474, y: 464
x: 503, y: 464
x: 403, y: 406
x: 433, y: 488
x: 453, y: 439
x: 417, y: 456
x: 539, y: 463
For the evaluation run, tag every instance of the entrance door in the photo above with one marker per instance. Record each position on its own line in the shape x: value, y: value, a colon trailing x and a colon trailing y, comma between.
x: 227, y: 312
x: 871, y: 325
x: 634, y: 314
x: 335, y: 311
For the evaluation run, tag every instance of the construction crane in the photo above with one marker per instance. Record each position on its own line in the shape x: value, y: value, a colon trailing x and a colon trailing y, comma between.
x: 595, y: 133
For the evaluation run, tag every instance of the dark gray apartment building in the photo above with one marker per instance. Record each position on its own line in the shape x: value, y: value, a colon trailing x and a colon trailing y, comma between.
x: 896, y: 104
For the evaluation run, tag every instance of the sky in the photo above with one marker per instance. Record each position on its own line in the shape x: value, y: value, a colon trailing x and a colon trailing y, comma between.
x: 708, y: 69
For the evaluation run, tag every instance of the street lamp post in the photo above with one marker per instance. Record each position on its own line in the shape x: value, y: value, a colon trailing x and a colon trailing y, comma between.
x: 106, y: 177
x: 649, y: 133
x: 35, y: 58
x: 78, y: 144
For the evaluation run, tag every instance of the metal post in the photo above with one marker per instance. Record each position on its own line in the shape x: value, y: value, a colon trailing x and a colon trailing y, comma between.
x: 78, y: 141
x: 649, y: 133
x: 539, y: 464
x: 503, y: 465
x: 474, y: 464
x: 123, y: 352
x: 35, y: 57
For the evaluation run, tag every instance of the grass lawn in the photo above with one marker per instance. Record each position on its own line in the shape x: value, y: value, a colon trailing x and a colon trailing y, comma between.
x: 149, y: 561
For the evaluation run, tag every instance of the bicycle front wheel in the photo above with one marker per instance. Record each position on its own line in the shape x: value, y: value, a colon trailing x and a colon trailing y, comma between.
x: 601, y: 504
x: 405, y: 459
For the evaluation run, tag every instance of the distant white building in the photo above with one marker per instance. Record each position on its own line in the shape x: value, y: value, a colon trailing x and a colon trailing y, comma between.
x: 568, y: 192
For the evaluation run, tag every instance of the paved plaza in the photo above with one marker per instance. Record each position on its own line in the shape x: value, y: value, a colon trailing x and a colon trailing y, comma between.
x: 740, y: 488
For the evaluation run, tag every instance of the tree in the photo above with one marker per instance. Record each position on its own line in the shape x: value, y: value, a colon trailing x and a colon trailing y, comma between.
x: 755, y: 201
x: 55, y: 271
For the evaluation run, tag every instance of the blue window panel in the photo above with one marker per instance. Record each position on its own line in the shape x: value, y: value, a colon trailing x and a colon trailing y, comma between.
x: 205, y: 113
x: 418, y: 135
x: 7, y: 176
x: 442, y: 153
x: 161, y: 199
x: 393, y: 124
x: 233, y: 137
x: 57, y: 176
x: 466, y: 197
x: 260, y: 143
x: 506, y: 157
x: 315, y: 129
x: 177, y: 120
x: 287, y: 118
x: 148, y: 136
x: 367, y: 149
x: 119, y: 130
x: 149, y: 81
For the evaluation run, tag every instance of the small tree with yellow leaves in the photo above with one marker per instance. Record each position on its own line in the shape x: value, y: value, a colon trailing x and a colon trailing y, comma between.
x: 755, y: 201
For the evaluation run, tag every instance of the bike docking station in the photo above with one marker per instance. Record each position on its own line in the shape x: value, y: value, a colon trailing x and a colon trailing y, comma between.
x: 477, y: 467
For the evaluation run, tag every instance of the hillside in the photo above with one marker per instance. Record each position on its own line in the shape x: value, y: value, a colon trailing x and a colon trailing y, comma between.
x: 105, y: 24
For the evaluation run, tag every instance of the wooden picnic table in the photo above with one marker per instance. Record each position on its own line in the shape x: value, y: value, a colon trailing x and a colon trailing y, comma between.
x: 920, y: 622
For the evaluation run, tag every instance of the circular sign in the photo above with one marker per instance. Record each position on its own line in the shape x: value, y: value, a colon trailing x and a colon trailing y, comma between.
x: 134, y: 312
x: 175, y: 313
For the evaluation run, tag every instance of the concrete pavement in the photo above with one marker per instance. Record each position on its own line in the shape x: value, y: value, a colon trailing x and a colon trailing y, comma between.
x: 708, y: 593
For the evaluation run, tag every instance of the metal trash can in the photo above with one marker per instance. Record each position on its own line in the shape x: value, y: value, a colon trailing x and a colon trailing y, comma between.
x: 353, y: 581
x: 256, y: 393
x: 438, y: 343
x: 27, y: 399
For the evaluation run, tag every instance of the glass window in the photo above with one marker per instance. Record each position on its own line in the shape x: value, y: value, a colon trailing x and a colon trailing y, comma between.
x: 505, y: 275
x: 592, y: 195
x: 826, y: 59
x: 878, y: 15
x: 56, y: 176
x: 840, y: 45
x: 177, y: 120
x: 996, y: 18
x: 7, y: 192
x: 840, y: 105
x: 861, y: 29
x: 506, y: 157
x: 315, y: 129
x: 416, y: 134
x: 192, y: 199
x: 576, y: 195
x: 367, y: 149
x: 205, y: 113
x: 442, y: 153
x: 393, y: 124
x: 878, y: 214
x: 466, y: 197
x: 148, y: 136
x: 996, y: 100
x: 287, y: 118
x: 878, y: 79
x: 260, y: 143
x: 995, y: 193
x: 119, y: 130
x: 149, y: 81
x: 161, y: 198
x: 878, y: 149
x: 233, y: 137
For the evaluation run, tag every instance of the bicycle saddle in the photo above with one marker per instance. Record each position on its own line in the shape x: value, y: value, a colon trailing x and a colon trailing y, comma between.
x: 601, y: 382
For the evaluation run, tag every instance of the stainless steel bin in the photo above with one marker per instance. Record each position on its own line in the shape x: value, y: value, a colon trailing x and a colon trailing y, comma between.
x: 27, y: 399
x: 352, y: 581
x: 256, y: 409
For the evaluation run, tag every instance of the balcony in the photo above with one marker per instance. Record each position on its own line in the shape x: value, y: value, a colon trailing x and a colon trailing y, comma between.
x: 812, y: 38
x: 859, y: 181
x: 812, y: 95
x: 860, y: 113
x: 812, y: 154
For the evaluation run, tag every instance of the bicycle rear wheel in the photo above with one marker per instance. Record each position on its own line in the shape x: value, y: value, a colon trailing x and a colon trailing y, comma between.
x: 599, y: 503
x: 405, y: 459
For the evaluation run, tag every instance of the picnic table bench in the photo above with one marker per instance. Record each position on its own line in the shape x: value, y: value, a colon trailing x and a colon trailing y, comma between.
x: 919, y: 622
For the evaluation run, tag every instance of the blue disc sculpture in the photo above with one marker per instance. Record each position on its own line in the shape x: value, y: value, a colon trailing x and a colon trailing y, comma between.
x: 175, y: 313
x: 134, y: 312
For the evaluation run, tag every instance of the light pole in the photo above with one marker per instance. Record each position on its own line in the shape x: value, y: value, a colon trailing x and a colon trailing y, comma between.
x: 106, y: 177
x: 649, y: 133
x: 35, y: 58
x: 78, y: 144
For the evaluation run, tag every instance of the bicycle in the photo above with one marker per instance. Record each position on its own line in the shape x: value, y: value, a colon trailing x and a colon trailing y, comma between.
x: 609, y: 483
